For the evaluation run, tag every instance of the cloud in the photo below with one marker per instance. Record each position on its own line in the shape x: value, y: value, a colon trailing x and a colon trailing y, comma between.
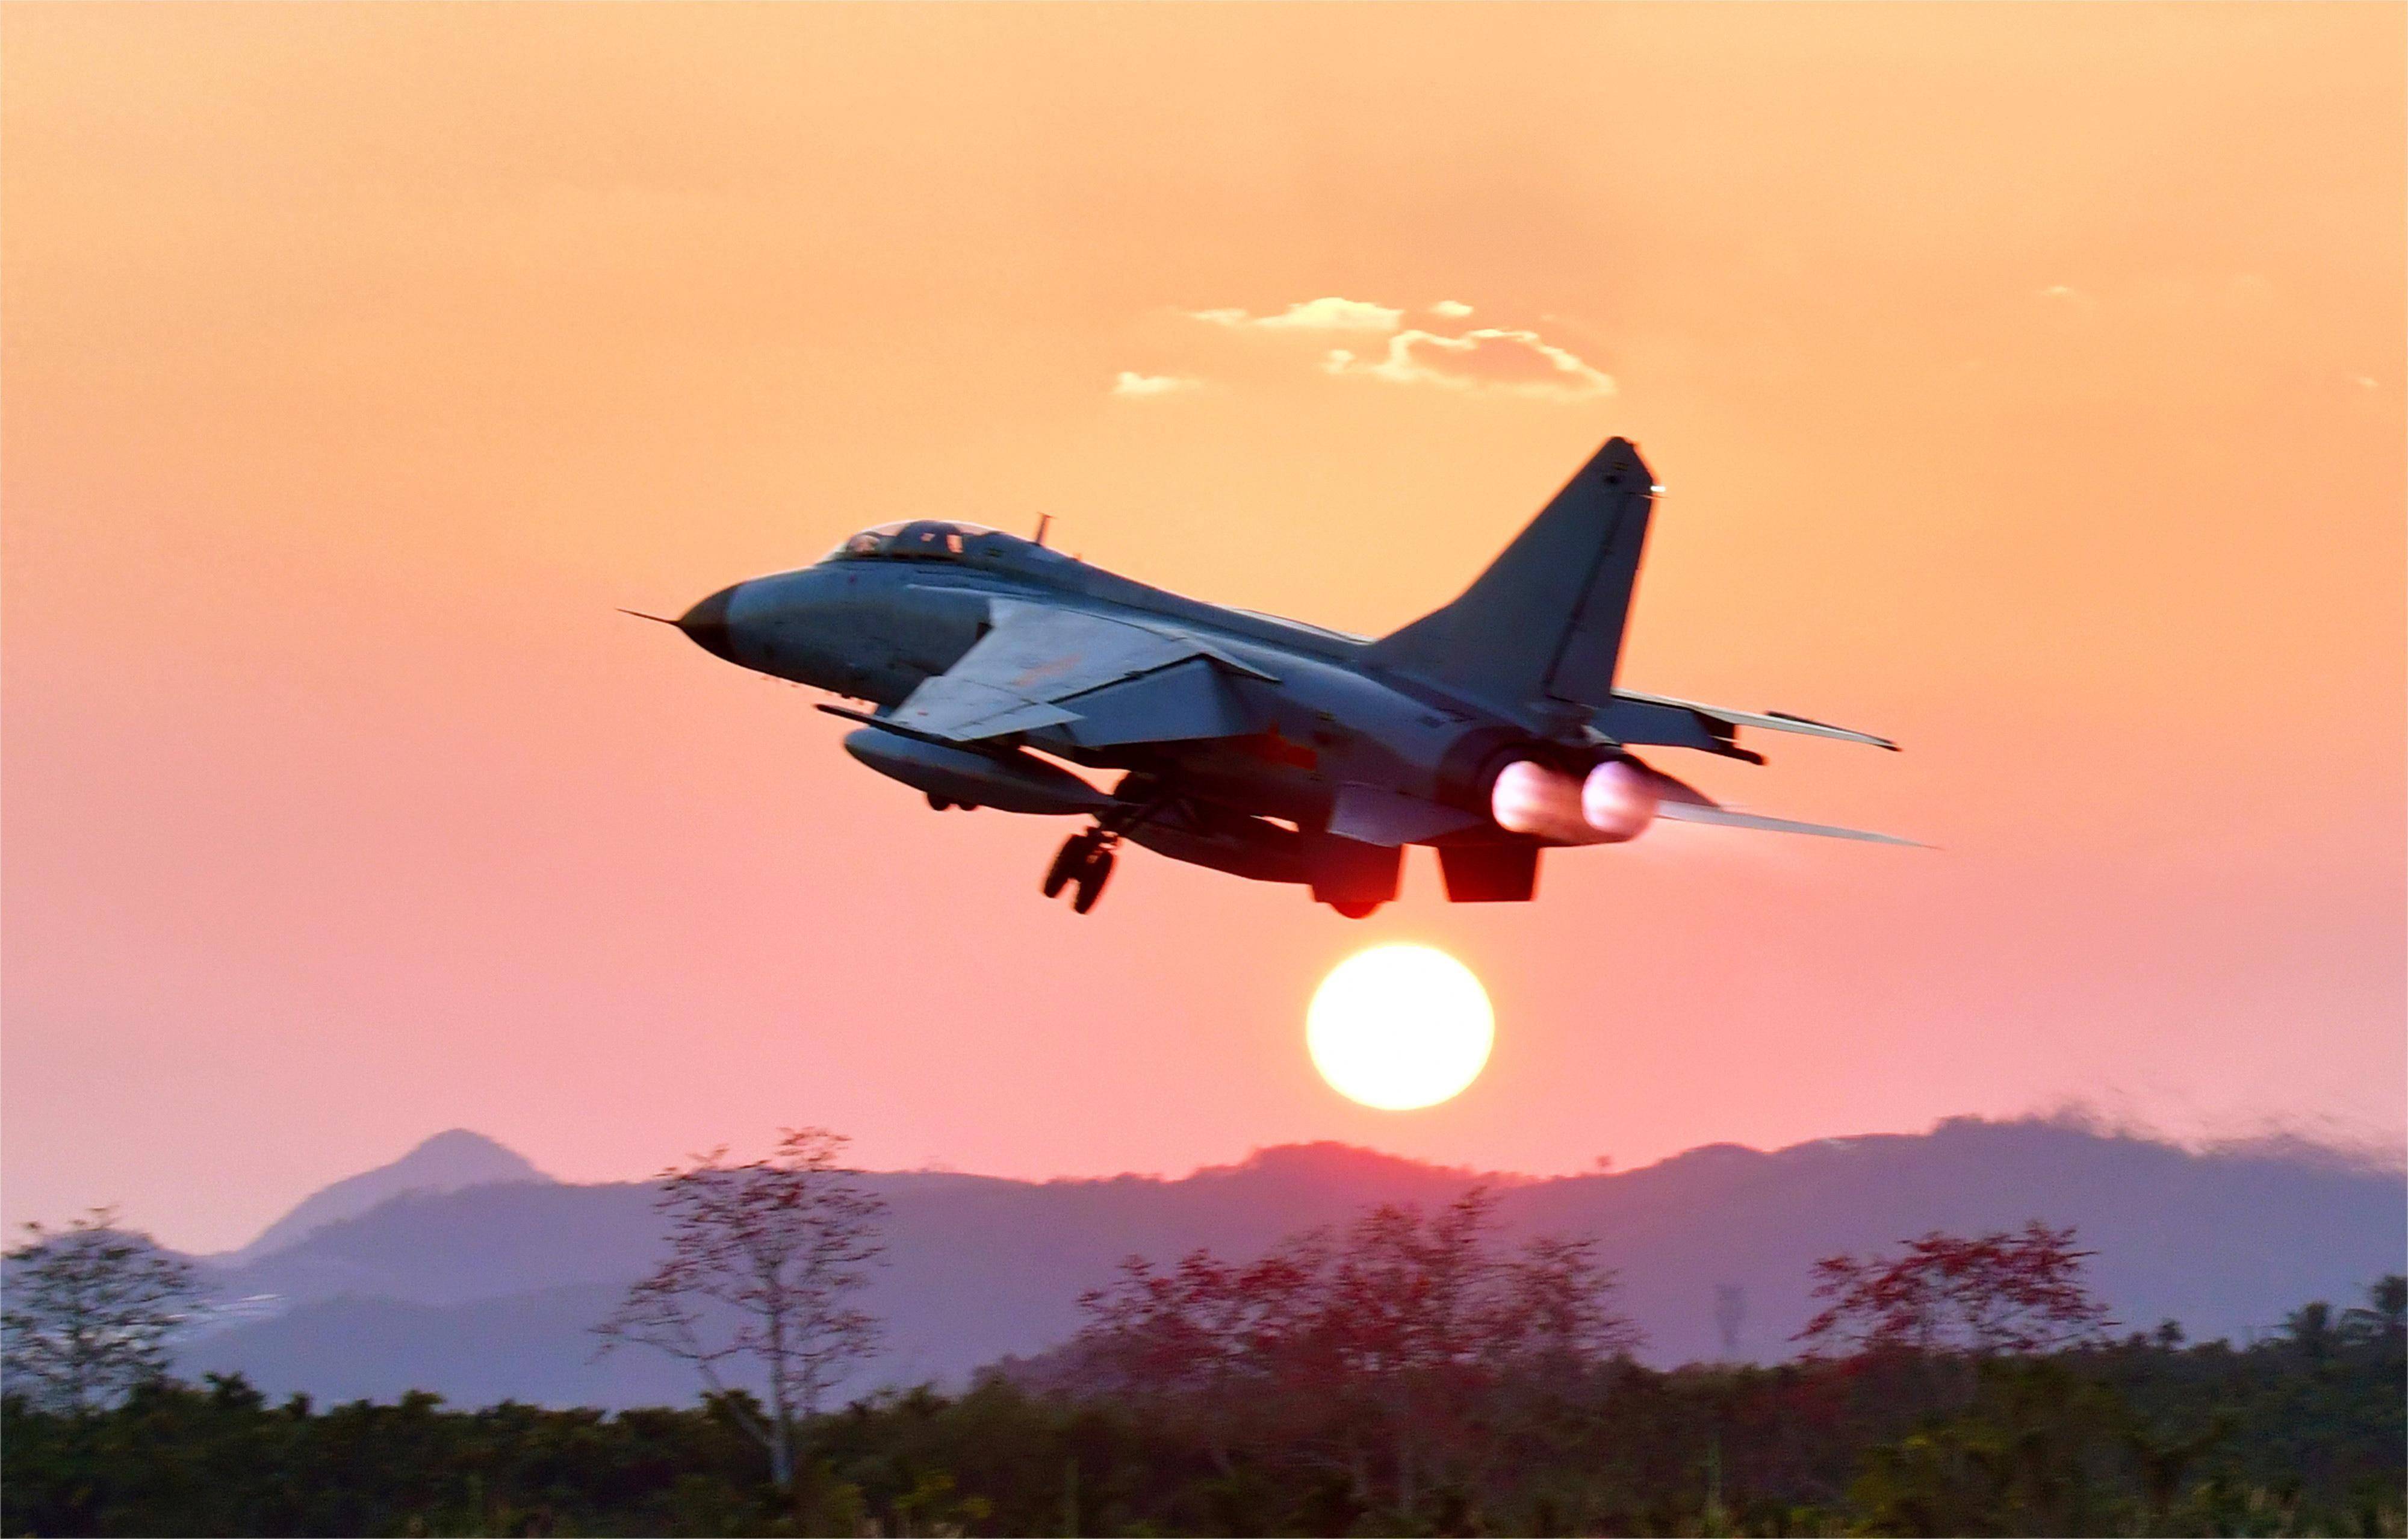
x: 1327, y: 314
x: 1493, y: 360
x: 1488, y: 359
x: 1131, y: 383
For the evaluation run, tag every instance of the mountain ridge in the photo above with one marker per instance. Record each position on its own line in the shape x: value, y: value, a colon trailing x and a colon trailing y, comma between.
x: 447, y: 1161
x: 985, y: 1267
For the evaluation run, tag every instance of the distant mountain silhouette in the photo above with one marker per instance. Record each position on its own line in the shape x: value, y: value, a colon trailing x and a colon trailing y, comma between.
x: 447, y: 1162
x: 488, y: 1292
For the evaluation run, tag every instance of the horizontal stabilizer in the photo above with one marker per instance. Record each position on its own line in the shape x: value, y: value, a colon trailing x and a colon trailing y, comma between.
x: 1631, y: 717
x: 1685, y: 812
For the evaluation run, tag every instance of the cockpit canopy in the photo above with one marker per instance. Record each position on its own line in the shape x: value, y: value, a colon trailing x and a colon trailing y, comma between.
x: 932, y: 539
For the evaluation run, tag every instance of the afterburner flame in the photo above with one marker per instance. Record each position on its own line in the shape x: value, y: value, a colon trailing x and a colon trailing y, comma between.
x: 1618, y: 801
x: 1613, y: 804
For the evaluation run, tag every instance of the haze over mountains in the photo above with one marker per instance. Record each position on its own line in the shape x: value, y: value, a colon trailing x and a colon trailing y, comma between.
x: 463, y: 1270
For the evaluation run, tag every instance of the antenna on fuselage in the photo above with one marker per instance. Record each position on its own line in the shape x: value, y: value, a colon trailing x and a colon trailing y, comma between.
x: 1044, y: 521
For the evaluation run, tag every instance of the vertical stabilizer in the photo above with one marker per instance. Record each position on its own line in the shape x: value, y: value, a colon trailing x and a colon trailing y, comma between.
x: 1544, y: 622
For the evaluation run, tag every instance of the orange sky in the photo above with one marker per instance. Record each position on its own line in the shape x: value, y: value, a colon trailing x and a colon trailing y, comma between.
x: 2028, y: 384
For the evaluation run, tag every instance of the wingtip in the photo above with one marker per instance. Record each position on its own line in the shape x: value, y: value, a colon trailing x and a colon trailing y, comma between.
x: 1851, y: 733
x: 1734, y: 817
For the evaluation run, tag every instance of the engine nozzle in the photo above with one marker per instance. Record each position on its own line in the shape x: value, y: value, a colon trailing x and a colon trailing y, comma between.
x: 1612, y: 804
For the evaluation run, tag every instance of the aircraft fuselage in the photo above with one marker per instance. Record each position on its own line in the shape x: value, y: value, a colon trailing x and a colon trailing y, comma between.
x: 876, y: 630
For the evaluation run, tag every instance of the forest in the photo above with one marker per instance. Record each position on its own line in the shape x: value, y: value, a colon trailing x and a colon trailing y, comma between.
x: 2298, y: 1434
x: 1409, y: 1373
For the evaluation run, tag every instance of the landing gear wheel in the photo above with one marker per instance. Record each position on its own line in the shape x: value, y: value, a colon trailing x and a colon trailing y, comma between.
x: 1075, y: 852
x: 1084, y: 863
x: 1356, y: 908
x: 938, y: 804
x: 1091, y: 879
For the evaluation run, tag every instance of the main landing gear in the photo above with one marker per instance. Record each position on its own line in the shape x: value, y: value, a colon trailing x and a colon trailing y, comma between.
x: 1083, y: 865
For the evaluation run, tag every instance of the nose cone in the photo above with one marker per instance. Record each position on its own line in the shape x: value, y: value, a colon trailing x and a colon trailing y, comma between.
x: 705, y: 623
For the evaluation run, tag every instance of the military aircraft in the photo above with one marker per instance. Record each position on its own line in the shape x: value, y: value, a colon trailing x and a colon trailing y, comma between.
x: 1490, y: 728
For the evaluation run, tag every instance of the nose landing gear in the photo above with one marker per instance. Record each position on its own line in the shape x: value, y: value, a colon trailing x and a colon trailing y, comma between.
x: 1083, y: 865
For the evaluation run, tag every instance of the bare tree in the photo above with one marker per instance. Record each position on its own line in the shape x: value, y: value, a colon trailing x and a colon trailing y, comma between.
x: 87, y: 1310
x: 765, y: 1261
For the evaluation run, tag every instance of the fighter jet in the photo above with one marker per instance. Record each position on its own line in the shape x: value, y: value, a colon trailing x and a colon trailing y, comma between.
x: 991, y: 671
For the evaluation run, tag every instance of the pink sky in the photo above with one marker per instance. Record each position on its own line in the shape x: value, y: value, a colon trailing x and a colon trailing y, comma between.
x: 2028, y: 384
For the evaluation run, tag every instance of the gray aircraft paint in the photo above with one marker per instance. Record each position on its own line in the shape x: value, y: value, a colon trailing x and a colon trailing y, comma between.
x: 1265, y: 747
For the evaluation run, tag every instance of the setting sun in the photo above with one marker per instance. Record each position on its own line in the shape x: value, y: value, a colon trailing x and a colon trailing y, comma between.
x: 1399, y: 1027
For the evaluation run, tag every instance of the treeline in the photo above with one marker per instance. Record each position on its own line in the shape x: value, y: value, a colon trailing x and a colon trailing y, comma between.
x: 1409, y: 1373
x: 2298, y: 1434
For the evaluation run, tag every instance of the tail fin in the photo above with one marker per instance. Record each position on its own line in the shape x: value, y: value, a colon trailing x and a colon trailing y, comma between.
x: 1545, y: 620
